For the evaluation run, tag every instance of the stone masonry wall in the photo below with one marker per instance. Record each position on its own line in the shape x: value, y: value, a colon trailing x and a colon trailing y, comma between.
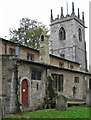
x: 35, y: 96
x: 1, y: 108
x: 9, y: 84
x: 14, y: 71
x: 23, y: 54
x: 68, y: 83
x: 22, y: 50
x: 71, y: 45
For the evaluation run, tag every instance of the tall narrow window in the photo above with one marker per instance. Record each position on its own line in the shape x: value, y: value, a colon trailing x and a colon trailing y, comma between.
x: 37, y: 86
x: 5, y: 49
x: 89, y: 83
x: 17, y: 50
x: 62, y: 34
x: 74, y: 92
x: 56, y: 82
x: 59, y: 86
x: 80, y: 34
x: 61, y: 82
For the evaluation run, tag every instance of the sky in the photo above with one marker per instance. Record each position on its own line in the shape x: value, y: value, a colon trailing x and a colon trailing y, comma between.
x: 12, y: 11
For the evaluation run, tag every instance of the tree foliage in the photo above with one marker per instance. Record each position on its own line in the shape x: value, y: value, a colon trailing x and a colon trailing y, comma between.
x: 28, y: 32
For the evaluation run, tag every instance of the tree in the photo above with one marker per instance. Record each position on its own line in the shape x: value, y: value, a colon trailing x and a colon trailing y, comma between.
x: 28, y: 33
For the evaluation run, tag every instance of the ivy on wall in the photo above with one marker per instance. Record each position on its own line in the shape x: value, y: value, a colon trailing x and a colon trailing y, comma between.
x: 53, y: 85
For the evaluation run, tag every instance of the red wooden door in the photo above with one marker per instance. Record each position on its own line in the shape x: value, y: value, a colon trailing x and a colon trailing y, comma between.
x: 24, y: 93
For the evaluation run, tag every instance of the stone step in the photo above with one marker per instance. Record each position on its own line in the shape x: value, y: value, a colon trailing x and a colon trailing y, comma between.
x: 78, y: 100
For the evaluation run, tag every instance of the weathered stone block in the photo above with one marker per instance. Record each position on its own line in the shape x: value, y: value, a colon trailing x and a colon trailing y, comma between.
x: 61, y: 102
x: 88, y: 98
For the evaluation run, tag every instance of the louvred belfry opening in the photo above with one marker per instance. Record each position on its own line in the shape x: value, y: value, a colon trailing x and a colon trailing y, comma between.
x: 24, y: 93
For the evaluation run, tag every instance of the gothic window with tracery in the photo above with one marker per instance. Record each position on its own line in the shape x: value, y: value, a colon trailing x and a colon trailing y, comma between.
x: 62, y: 34
x: 58, y: 82
x: 80, y: 34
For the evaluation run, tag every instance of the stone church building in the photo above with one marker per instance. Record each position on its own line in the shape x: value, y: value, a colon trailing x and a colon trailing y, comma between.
x: 24, y: 71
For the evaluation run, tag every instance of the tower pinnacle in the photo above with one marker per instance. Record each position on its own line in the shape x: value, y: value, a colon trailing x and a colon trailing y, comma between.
x: 67, y: 6
x: 73, y: 8
x: 83, y: 17
x: 62, y: 12
x: 51, y: 16
x: 78, y: 14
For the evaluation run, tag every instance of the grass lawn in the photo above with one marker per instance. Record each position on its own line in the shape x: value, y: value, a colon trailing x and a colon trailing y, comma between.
x: 71, y: 112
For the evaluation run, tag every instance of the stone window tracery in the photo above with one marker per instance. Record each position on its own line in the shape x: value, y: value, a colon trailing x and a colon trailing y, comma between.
x: 80, y: 34
x: 58, y: 82
x: 62, y: 34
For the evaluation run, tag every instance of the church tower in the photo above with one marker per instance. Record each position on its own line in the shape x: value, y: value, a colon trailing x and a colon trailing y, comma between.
x: 67, y: 36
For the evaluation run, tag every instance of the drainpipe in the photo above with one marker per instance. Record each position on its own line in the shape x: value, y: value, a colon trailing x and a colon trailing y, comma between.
x: 17, y: 49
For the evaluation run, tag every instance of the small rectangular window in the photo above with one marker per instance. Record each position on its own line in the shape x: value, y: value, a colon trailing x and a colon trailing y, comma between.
x: 11, y: 51
x: 35, y: 75
x: 61, y: 65
x: 62, y: 55
x: 76, y: 80
x: 29, y: 57
x: 71, y: 66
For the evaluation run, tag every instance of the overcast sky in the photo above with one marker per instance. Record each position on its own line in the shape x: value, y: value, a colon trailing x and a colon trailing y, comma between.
x: 11, y: 11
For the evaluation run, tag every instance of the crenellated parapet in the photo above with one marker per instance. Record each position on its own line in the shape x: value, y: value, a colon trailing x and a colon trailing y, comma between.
x: 68, y: 17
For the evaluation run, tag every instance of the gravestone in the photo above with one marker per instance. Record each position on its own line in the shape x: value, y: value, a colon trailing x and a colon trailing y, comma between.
x: 61, y: 102
x: 88, y: 98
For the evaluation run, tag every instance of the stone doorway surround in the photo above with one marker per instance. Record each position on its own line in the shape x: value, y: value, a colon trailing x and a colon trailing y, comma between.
x: 24, y: 91
x: 29, y: 89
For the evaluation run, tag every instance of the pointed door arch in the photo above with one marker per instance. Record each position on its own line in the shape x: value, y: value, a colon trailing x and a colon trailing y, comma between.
x: 24, y: 91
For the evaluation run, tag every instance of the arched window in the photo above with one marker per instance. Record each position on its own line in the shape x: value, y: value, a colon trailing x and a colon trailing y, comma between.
x: 62, y: 34
x: 80, y: 34
x: 42, y: 38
